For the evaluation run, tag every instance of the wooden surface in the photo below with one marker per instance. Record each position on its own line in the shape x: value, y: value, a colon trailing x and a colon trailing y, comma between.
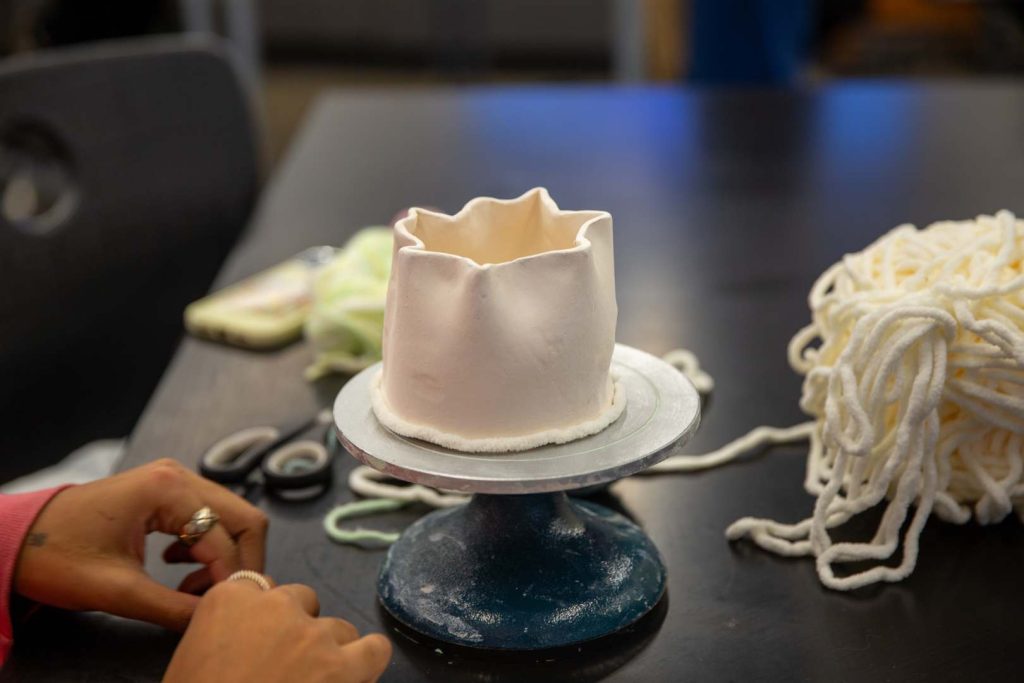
x: 727, y: 204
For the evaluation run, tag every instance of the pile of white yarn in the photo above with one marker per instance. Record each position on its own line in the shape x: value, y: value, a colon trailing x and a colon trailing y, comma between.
x: 914, y: 373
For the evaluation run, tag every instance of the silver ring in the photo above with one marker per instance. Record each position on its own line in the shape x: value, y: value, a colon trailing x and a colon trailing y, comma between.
x: 202, y: 520
x: 250, y: 575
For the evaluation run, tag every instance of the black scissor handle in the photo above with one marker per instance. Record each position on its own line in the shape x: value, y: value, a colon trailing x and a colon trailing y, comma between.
x: 297, y: 465
x: 232, y: 458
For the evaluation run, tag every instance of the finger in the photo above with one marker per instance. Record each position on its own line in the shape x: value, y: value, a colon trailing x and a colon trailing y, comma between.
x: 367, y: 658
x: 304, y: 595
x: 196, y: 583
x: 230, y: 597
x: 136, y: 596
x: 169, y: 484
x: 218, y: 552
x: 176, y: 501
x: 342, y: 631
x: 177, y: 553
x: 245, y: 522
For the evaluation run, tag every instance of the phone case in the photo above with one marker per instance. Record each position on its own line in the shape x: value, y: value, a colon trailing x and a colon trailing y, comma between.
x: 266, y: 310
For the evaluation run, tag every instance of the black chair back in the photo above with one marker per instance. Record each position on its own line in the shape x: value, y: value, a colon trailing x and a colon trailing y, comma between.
x: 127, y: 171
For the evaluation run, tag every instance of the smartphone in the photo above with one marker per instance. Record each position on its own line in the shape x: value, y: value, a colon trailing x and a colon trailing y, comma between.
x: 264, y: 311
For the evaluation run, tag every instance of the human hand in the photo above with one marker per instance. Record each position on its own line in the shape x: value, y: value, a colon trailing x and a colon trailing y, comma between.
x: 86, y: 549
x: 240, y: 634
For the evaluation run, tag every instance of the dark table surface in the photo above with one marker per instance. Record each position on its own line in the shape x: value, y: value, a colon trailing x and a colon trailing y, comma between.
x: 727, y: 204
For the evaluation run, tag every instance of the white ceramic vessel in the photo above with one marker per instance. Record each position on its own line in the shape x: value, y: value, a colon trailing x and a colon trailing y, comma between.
x: 500, y: 326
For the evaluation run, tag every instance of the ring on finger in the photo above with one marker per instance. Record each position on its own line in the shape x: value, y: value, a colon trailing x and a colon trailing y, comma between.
x: 249, y: 575
x: 201, y: 521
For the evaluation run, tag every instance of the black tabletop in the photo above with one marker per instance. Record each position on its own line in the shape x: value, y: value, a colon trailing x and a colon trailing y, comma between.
x: 727, y: 204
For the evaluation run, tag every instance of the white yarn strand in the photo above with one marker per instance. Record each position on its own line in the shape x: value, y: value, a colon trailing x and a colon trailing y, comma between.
x: 758, y: 438
x: 370, y: 483
x: 686, y: 362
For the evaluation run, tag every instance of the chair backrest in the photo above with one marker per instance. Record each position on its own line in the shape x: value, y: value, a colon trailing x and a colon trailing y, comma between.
x: 127, y: 171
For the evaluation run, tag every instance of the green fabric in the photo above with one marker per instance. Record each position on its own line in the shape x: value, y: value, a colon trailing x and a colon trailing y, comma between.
x: 346, y: 319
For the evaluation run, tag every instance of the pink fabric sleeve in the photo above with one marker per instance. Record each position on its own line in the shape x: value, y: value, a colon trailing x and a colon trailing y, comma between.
x: 17, y: 513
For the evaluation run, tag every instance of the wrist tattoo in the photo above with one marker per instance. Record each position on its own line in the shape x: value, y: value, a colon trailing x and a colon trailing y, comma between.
x: 36, y: 539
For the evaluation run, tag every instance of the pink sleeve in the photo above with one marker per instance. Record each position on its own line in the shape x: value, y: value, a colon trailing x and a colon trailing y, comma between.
x: 17, y: 513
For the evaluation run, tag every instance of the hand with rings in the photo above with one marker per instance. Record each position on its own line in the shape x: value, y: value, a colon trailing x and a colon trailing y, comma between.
x: 246, y: 629
x: 85, y: 550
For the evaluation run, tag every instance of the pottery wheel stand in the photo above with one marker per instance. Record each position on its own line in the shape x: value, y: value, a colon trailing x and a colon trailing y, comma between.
x: 521, y: 566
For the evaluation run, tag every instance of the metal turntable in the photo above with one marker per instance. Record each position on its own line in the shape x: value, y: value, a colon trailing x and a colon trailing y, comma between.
x: 522, y: 566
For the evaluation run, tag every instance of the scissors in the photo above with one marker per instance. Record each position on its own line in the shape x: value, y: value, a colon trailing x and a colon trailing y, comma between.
x: 289, y: 458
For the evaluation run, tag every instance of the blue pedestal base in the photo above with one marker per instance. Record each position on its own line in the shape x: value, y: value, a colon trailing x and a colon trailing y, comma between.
x: 524, y: 572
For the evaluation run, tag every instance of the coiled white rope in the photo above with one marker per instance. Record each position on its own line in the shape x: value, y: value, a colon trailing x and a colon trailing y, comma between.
x: 381, y: 496
x: 914, y: 371
x: 686, y: 362
x: 370, y: 483
x: 914, y: 375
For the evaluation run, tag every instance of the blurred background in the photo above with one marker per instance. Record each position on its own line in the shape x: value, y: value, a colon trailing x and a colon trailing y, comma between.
x: 292, y: 49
